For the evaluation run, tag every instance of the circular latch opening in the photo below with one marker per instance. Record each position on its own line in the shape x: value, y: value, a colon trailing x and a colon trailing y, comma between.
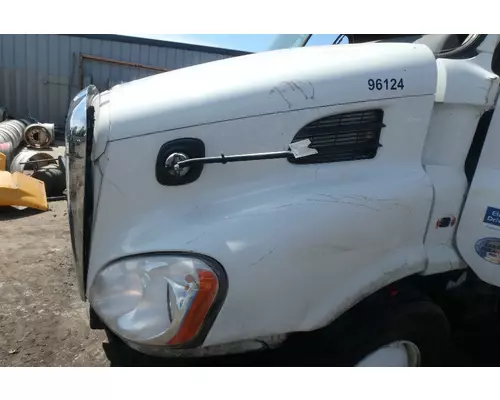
x: 171, y: 162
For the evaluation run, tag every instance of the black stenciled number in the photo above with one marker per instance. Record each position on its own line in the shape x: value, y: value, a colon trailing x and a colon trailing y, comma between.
x: 387, y: 84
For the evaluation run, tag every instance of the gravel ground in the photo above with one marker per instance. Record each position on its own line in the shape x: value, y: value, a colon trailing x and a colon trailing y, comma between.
x: 43, y: 322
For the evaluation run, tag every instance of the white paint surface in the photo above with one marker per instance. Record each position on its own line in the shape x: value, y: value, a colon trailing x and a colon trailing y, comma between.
x: 464, y: 91
x: 266, y: 83
x: 300, y: 243
x: 484, y: 192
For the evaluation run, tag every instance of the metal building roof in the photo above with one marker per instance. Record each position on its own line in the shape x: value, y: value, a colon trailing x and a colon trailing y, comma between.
x: 39, y: 74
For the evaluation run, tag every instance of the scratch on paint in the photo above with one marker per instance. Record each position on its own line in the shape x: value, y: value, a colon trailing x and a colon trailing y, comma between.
x: 370, y: 199
x: 196, y: 238
x: 312, y: 89
x: 284, y: 206
x: 316, y: 174
x: 264, y: 256
x: 294, y: 86
x: 332, y: 199
x: 275, y: 89
x: 343, y: 202
x: 114, y: 185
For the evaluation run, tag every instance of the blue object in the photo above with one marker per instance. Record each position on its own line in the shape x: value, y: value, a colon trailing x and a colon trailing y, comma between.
x: 492, y: 216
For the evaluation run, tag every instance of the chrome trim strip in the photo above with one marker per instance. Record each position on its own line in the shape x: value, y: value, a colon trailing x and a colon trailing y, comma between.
x: 78, y: 138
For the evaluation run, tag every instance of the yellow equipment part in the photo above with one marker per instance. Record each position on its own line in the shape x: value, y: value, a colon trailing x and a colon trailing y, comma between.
x: 18, y: 189
x: 2, y: 162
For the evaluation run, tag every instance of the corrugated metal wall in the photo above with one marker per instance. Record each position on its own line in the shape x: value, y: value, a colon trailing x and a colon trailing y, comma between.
x: 39, y: 74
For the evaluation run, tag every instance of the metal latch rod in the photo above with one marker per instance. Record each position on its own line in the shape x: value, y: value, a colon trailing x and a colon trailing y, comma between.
x: 225, y: 159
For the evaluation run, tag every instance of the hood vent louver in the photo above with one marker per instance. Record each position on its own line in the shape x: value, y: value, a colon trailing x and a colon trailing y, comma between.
x: 343, y: 137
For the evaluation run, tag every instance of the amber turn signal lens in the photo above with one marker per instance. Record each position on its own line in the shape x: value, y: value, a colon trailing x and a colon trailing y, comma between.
x: 199, y: 309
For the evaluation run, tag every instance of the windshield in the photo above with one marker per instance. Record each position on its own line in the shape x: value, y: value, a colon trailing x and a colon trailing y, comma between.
x: 439, y: 44
x: 290, y: 41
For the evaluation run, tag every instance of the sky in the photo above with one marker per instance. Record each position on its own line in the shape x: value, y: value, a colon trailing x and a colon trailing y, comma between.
x: 249, y: 42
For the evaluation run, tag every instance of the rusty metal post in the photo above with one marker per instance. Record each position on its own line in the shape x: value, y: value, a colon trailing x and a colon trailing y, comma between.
x: 88, y: 57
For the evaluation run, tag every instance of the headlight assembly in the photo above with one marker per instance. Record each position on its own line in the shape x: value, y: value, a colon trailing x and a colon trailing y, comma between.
x: 160, y: 300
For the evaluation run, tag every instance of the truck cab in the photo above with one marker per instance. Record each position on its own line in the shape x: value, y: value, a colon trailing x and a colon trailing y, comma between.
x: 319, y: 197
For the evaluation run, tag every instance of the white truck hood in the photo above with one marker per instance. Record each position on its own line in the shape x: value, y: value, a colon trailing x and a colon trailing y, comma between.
x: 263, y: 83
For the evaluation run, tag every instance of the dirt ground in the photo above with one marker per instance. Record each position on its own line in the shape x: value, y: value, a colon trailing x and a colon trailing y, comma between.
x: 43, y: 322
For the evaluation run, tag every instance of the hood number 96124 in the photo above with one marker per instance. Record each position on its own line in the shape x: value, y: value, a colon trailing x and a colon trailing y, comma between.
x: 386, y: 84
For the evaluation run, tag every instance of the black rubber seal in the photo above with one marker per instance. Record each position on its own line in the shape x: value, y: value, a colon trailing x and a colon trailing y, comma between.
x: 88, y: 202
x: 192, y: 148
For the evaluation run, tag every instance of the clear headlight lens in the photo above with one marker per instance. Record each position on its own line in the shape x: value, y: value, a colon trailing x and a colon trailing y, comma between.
x: 157, y: 300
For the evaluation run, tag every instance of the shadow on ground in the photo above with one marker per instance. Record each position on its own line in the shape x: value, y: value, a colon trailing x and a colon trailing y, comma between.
x: 11, y: 213
x: 120, y: 355
x: 476, y: 344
